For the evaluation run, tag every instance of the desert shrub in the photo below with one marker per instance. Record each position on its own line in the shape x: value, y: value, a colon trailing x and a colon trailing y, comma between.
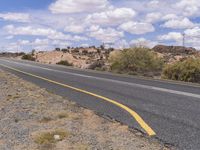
x: 48, y: 137
x: 187, y: 70
x: 28, y: 57
x: 45, y: 120
x: 96, y: 64
x: 62, y: 115
x: 65, y: 63
x: 140, y: 61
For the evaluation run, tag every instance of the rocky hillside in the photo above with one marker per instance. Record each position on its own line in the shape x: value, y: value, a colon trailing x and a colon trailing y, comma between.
x: 176, y: 50
x: 97, y: 58
x: 85, y: 58
x: 171, y: 54
x: 8, y: 54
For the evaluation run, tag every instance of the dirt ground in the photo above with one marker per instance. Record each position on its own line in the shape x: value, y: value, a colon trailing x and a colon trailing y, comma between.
x: 32, y: 118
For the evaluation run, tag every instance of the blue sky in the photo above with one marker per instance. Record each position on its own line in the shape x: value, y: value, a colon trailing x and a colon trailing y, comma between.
x: 46, y: 24
x: 23, y: 5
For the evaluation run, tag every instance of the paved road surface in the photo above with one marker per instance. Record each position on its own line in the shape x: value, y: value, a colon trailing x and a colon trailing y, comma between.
x: 171, y: 110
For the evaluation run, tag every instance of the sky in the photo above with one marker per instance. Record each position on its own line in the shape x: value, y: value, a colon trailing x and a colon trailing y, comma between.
x: 47, y: 24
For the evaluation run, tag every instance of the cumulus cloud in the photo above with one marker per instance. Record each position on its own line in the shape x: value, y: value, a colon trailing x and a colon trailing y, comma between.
x: 153, y: 3
x: 104, y: 21
x: 153, y: 17
x: 143, y: 42
x: 84, y: 45
x: 169, y: 17
x: 137, y: 27
x: 191, y: 37
x: 188, y: 7
x: 179, y: 23
x: 28, y: 30
x: 41, y: 41
x: 17, y: 17
x: 75, y: 28
x: 111, y: 17
x: 36, y: 42
x: 46, y: 32
x: 171, y: 36
x: 40, y: 44
x: 106, y: 35
x: 193, y: 32
x: 77, y: 6
x: 121, y: 44
x: 11, y: 47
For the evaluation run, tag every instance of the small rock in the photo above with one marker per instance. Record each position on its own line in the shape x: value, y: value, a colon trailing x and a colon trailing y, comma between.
x: 57, y: 137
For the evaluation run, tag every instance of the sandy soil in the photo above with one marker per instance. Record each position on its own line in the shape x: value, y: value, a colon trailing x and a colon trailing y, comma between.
x: 30, y: 118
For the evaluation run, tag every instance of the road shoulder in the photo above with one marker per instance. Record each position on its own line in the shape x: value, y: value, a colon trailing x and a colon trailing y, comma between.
x: 33, y: 118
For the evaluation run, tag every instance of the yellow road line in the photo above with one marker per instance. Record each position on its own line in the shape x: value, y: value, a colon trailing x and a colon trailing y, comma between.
x: 140, y: 121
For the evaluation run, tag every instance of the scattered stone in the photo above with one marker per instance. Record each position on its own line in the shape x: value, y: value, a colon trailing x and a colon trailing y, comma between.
x: 39, y: 120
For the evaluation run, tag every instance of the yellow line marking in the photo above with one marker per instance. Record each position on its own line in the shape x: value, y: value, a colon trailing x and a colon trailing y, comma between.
x: 140, y: 121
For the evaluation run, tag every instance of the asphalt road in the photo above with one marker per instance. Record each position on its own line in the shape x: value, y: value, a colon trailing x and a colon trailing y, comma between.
x: 171, y: 109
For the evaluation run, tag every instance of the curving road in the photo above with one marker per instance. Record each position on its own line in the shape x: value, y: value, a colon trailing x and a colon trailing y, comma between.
x: 171, y: 110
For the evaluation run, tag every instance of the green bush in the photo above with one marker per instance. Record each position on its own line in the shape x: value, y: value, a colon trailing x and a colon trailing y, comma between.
x: 28, y: 57
x: 65, y: 63
x: 140, y: 61
x: 187, y: 70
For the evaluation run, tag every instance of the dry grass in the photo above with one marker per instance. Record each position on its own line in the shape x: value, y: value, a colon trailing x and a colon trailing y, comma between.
x: 45, y: 120
x: 62, y: 115
x: 48, y: 137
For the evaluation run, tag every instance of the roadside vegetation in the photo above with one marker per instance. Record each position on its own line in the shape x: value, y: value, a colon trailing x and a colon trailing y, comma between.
x: 187, y: 70
x: 51, y: 137
x: 174, y: 63
x: 64, y: 63
x: 136, y: 61
x: 28, y: 57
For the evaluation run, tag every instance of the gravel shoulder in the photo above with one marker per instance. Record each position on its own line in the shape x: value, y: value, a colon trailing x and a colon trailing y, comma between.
x: 32, y: 118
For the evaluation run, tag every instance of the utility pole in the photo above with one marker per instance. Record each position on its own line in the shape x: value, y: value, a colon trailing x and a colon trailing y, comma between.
x: 183, y: 39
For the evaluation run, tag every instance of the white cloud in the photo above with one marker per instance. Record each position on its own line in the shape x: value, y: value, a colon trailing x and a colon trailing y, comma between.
x: 61, y: 43
x: 179, y: 23
x: 171, y: 36
x: 73, y: 25
x: 143, y: 42
x: 41, y: 41
x: 188, y: 7
x: 28, y: 30
x: 17, y: 17
x: 93, y: 28
x: 42, y: 44
x: 169, y: 17
x: 104, y: 20
x: 153, y: 17
x: 23, y: 42
x: 137, y: 27
x: 121, y: 44
x: 84, y: 45
x: 193, y: 32
x: 46, y: 32
x: 79, y: 38
x: 154, y: 3
x: 11, y: 47
x: 74, y: 28
x: 106, y: 35
x: 111, y: 17
x: 77, y: 6
x: 36, y: 42
x: 192, y: 37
